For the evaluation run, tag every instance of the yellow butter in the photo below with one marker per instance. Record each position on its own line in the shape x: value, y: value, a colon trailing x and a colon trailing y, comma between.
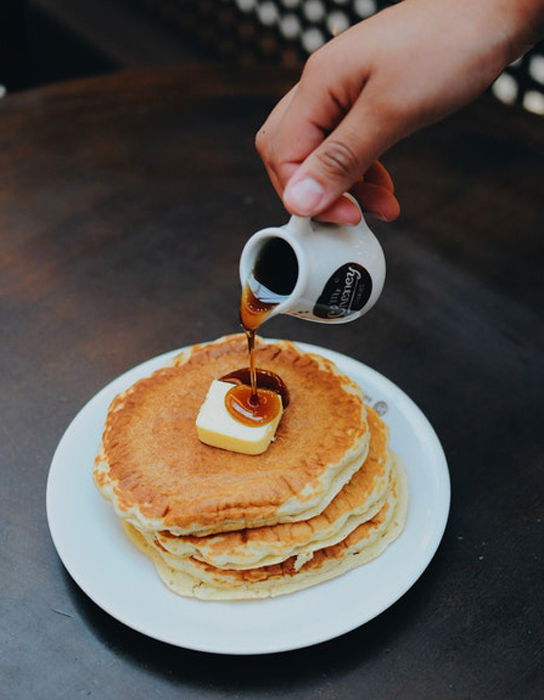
x: 216, y: 427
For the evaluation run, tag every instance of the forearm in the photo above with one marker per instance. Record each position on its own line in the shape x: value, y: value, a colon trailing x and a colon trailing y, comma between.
x: 517, y: 24
x: 490, y: 33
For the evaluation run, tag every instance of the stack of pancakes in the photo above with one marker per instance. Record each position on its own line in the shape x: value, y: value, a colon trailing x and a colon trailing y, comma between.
x: 326, y: 496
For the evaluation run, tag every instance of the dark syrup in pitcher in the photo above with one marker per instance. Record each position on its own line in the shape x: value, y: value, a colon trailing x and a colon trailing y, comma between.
x: 271, y: 281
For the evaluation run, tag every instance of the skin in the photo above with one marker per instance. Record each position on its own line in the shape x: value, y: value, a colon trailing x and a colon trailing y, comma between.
x: 381, y: 80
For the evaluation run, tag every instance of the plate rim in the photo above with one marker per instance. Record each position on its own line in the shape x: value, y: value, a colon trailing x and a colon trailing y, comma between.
x: 441, y: 471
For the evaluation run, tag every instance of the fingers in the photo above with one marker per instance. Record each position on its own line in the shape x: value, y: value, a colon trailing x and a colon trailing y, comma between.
x: 266, y: 137
x: 343, y: 211
x: 336, y: 164
x: 379, y: 175
x: 375, y: 195
x: 376, y: 199
x: 373, y: 199
x: 374, y: 192
x: 286, y: 138
x: 300, y: 122
x: 318, y: 140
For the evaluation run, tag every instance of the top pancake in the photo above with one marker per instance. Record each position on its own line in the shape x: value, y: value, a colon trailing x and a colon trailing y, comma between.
x: 158, y: 475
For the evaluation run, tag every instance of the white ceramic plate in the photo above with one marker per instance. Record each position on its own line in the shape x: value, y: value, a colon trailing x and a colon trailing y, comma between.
x: 123, y: 582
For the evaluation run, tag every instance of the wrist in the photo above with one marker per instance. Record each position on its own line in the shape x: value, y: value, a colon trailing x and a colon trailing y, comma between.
x: 530, y: 21
x: 501, y: 31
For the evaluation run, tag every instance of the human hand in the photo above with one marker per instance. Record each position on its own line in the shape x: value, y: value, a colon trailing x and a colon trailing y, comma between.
x: 379, y: 81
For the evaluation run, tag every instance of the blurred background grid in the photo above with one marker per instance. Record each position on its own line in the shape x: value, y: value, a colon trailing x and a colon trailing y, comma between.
x: 43, y: 41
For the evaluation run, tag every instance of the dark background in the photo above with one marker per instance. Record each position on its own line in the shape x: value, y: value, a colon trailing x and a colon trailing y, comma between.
x: 118, y: 195
x: 42, y: 41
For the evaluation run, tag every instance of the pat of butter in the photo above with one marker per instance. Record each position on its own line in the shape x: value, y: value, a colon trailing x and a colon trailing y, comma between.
x: 216, y: 427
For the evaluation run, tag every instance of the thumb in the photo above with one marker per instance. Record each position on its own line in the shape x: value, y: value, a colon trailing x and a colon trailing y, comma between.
x: 339, y: 161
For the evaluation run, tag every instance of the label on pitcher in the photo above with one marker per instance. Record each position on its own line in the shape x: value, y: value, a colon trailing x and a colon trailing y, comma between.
x: 345, y: 293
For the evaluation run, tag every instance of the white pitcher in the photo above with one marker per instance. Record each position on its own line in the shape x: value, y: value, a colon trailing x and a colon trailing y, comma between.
x: 338, y: 274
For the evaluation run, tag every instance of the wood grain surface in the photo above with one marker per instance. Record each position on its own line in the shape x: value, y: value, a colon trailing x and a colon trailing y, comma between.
x: 124, y: 203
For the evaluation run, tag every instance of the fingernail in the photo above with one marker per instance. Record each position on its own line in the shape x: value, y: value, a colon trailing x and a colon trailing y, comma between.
x: 304, y: 196
x: 380, y: 215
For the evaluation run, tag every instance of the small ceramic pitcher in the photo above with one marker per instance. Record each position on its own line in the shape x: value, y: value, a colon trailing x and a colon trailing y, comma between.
x: 337, y: 276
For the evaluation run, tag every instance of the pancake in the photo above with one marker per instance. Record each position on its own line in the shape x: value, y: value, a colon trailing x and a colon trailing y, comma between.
x: 159, y: 476
x: 189, y: 577
x: 358, y: 501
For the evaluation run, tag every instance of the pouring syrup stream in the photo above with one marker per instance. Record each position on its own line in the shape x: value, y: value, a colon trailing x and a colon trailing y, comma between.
x: 272, y: 279
x: 253, y: 312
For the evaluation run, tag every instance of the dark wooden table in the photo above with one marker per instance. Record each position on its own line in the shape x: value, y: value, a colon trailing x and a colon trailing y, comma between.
x: 124, y: 203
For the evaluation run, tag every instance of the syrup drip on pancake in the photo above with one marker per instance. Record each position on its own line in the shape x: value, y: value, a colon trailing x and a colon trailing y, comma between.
x: 272, y: 280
